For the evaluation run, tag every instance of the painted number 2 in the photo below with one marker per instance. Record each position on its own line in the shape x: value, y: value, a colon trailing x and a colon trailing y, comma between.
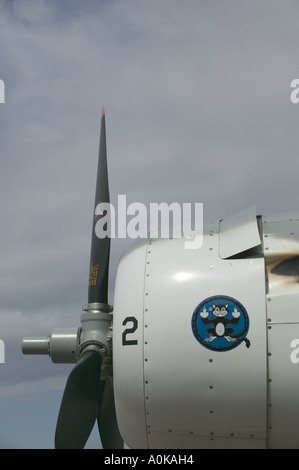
x: 128, y: 331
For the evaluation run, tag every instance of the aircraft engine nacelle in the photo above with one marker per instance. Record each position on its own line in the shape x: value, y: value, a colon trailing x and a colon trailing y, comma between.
x: 205, y: 340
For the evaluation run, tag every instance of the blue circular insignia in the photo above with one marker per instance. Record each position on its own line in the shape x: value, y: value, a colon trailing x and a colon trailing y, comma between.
x: 220, y: 323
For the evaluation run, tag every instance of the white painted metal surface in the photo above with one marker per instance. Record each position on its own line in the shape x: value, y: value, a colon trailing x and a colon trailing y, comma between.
x: 281, y: 249
x: 128, y: 360
x: 171, y: 391
x: 238, y: 233
x: 283, y: 410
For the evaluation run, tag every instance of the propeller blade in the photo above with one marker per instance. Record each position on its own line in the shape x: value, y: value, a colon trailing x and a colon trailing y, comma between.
x: 80, y: 403
x: 107, y: 422
x: 87, y: 398
x: 100, y: 247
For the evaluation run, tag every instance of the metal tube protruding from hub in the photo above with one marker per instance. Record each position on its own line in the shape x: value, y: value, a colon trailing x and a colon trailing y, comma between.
x: 61, y: 345
x: 36, y: 345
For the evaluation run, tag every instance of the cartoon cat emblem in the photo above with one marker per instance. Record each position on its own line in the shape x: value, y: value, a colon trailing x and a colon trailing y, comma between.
x: 220, y: 323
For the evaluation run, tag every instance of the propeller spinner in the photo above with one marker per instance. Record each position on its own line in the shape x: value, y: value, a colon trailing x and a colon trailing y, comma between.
x: 89, y: 394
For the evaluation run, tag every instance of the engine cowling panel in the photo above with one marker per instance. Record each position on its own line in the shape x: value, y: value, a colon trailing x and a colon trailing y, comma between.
x: 185, y: 383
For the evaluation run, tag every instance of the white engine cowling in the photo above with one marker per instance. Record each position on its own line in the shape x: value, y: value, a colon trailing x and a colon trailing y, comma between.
x: 204, y: 351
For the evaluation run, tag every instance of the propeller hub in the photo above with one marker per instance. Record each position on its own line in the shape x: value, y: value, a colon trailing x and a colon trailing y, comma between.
x: 95, y: 333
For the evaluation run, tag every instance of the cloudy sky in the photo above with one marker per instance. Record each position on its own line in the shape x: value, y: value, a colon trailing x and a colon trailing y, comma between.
x: 198, y: 109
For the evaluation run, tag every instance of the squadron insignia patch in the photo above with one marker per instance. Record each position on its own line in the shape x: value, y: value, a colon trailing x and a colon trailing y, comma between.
x: 220, y: 323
